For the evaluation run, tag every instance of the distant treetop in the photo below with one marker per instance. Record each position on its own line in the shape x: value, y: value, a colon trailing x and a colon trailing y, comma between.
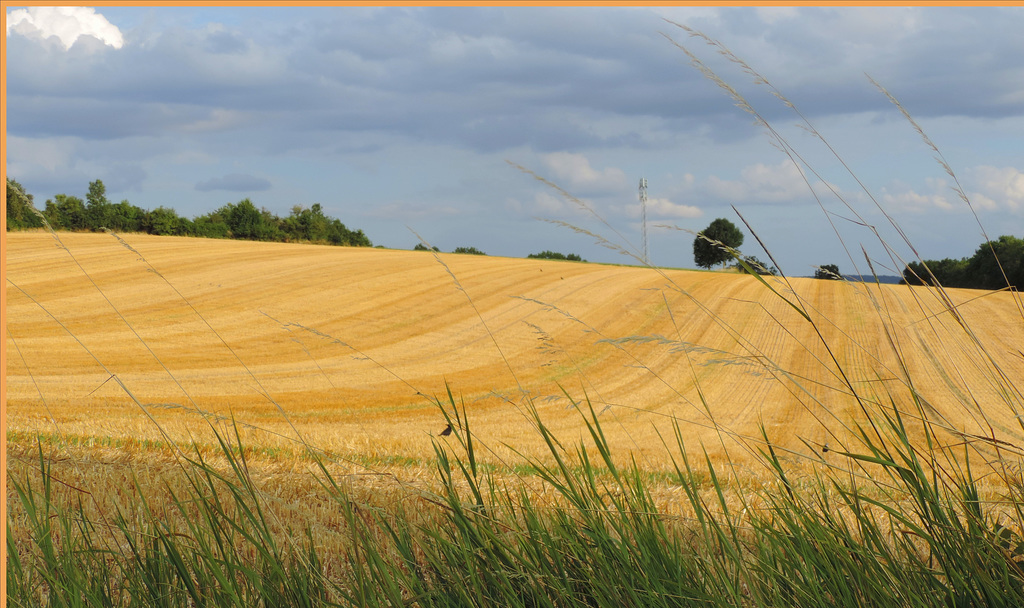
x: 470, y: 250
x: 552, y: 255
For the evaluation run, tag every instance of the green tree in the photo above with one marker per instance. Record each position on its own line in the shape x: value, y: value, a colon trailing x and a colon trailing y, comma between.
x: 20, y: 210
x: 757, y: 265
x: 339, y: 234
x: 358, y: 238
x: 244, y: 220
x: 163, y: 221
x: 470, y: 250
x: 546, y: 255
x: 269, y: 227
x: 211, y: 226
x: 126, y: 217
x: 946, y: 272
x: 554, y: 255
x: 828, y: 272
x: 98, y: 210
x: 66, y: 212
x: 240, y: 220
x: 307, y: 224
x: 316, y: 224
x: 994, y: 259
x: 708, y: 247
x: 422, y: 247
x: 214, y: 225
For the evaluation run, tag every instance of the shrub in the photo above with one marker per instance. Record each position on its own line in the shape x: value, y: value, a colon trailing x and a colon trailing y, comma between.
x: 469, y: 250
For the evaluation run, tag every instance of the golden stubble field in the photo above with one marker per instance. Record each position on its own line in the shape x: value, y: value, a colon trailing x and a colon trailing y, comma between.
x: 347, y: 347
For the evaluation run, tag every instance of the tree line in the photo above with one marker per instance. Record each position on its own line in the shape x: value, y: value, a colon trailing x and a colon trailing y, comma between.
x: 995, y: 265
x: 241, y: 220
x: 469, y: 250
x: 543, y: 255
x: 554, y: 255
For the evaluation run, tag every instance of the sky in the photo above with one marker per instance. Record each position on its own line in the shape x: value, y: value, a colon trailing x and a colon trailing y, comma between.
x: 437, y: 121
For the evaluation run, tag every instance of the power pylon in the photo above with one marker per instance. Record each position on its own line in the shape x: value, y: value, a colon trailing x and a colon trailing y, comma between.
x: 643, y: 216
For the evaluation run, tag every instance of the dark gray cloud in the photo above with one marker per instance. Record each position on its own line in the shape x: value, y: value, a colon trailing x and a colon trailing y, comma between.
x: 492, y: 78
x: 125, y: 177
x: 422, y: 73
x: 956, y: 61
x: 325, y: 99
x: 447, y: 64
x: 235, y: 182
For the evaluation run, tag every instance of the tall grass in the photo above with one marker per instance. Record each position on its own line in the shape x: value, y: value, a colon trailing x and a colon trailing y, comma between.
x: 905, y: 510
x: 916, y: 533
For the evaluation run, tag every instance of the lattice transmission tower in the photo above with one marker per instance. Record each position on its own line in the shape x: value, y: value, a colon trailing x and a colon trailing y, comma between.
x: 643, y: 216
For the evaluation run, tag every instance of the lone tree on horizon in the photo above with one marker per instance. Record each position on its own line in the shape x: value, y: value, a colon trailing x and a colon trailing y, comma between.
x: 829, y: 272
x: 706, y: 252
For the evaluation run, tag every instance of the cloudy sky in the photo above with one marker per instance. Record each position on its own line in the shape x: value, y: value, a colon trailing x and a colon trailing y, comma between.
x: 408, y: 118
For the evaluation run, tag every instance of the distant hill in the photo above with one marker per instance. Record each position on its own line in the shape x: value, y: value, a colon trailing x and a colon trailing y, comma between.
x: 887, y: 279
x: 882, y: 278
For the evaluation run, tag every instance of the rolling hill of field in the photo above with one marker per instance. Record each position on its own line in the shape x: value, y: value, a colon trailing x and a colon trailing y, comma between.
x: 112, y: 343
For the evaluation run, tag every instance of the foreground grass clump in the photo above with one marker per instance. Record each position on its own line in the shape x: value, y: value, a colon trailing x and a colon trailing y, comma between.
x: 915, y: 533
x: 212, y: 545
x: 911, y: 536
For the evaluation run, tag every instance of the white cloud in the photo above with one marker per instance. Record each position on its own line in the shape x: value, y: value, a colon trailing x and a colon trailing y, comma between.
x: 915, y: 201
x: 761, y: 183
x: 980, y: 201
x: 67, y: 23
x: 988, y: 188
x: 901, y: 197
x: 998, y: 187
x: 573, y: 172
x: 662, y: 208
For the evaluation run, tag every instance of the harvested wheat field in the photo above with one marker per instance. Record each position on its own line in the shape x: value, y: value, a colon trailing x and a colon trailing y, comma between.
x: 349, y: 347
